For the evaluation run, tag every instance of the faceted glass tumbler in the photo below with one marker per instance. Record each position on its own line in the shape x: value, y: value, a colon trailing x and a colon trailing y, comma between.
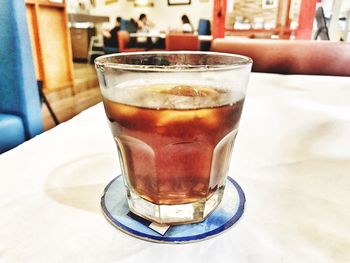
x: 174, y: 117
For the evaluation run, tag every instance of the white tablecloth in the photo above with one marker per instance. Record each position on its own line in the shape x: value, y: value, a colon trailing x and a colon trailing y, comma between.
x: 292, y: 159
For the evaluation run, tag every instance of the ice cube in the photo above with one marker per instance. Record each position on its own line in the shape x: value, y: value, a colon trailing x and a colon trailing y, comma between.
x: 206, y: 92
x: 125, y: 110
x: 207, y: 116
x: 182, y: 90
x: 190, y: 91
x: 168, y: 117
x: 172, y: 96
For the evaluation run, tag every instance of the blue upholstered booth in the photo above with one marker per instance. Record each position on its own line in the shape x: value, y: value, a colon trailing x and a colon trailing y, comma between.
x: 128, y: 25
x: 20, y: 113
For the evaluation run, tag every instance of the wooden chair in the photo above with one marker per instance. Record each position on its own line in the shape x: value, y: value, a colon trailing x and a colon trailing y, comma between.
x: 95, y: 43
x: 291, y: 56
x: 123, y: 42
x: 181, y: 41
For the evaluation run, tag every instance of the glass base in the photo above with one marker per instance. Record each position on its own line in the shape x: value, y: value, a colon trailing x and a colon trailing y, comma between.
x: 174, y: 214
x: 116, y: 210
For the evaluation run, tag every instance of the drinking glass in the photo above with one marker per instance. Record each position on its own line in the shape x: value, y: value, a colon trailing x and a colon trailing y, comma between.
x: 174, y: 117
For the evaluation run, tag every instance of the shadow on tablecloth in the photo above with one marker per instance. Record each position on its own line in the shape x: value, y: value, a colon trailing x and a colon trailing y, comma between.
x: 80, y: 182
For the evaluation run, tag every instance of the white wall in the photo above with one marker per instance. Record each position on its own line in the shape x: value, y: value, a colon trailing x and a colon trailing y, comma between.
x: 328, y: 4
x: 162, y: 15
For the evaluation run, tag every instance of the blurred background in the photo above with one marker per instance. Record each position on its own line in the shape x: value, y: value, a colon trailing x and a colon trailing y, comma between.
x: 65, y: 36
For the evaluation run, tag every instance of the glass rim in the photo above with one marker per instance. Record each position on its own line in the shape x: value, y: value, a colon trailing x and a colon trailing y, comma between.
x: 102, y: 62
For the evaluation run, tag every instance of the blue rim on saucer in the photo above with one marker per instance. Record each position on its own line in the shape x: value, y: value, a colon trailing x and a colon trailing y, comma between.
x: 115, y: 208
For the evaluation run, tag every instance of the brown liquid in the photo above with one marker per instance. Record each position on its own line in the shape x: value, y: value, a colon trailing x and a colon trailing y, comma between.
x: 174, y: 156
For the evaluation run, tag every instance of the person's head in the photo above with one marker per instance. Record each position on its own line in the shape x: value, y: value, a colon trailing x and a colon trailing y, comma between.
x: 142, y: 17
x: 185, y: 19
x: 118, y: 20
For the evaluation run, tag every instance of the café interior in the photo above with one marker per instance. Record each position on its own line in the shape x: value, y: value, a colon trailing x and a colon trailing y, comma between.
x: 65, y: 36
x: 291, y: 155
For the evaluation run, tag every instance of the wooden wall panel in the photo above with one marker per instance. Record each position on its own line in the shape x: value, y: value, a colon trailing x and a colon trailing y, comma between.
x: 54, y: 44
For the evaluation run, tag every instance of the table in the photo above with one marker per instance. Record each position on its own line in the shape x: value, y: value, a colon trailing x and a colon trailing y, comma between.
x: 163, y: 35
x: 150, y: 34
x: 292, y: 159
x: 205, y: 38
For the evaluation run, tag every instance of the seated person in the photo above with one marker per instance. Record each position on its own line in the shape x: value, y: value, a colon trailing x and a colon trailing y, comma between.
x: 143, y: 26
x: 187, y: 26
x: 110, y: 38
